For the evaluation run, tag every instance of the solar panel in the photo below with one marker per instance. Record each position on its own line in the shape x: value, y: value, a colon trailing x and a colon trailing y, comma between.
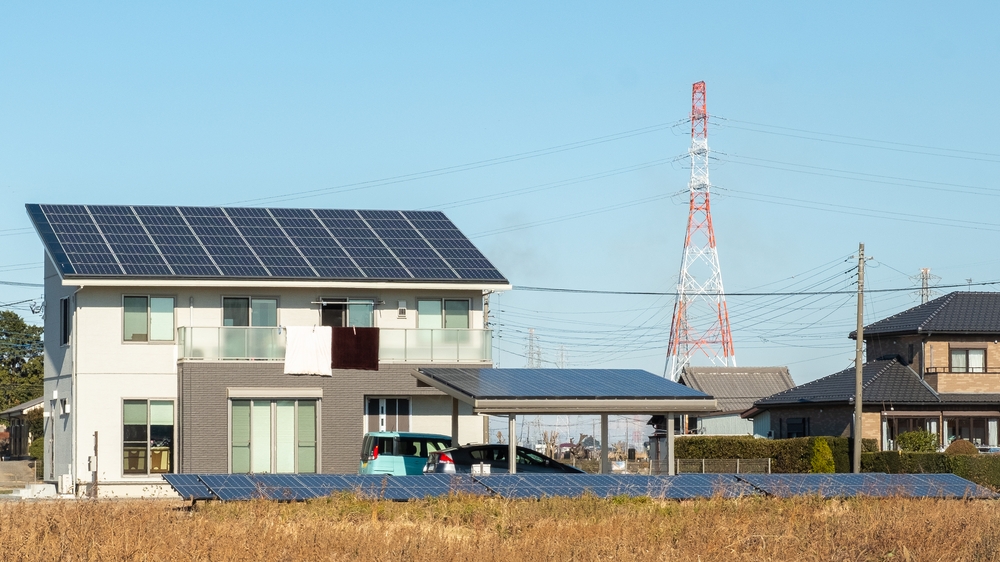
x: 230, y: 487
x: 867, y: 484
x: 189, y: 486
x: 159, y: 241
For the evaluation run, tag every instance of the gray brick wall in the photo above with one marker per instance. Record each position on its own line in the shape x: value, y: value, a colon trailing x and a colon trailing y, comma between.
x: 203, y: 407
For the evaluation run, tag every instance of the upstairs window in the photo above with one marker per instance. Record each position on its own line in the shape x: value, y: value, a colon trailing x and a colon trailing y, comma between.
x: 249, y: 311
x: 64, y: 321
x: 443, y: 313
x: 348, y: 313
x: 148, y: 318
x: 968, y: 360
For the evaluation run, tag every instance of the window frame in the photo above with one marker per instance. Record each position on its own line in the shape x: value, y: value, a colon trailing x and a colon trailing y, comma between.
x: 149, y: 447
x: 968, y: 369
x: 444, y: 311
x: 250, y: 299
x: 149, y: 319
x: 346, y: 302
x: 65, y: 318
x: 244, y: 395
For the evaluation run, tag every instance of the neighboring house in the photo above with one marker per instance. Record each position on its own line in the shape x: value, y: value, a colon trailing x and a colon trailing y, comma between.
x: 170, y: 330
x: 18, y: 428
x: 736, y: 389
x: 934, y: 367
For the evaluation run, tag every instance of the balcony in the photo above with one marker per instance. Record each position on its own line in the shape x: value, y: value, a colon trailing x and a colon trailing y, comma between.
x: 396, y: 345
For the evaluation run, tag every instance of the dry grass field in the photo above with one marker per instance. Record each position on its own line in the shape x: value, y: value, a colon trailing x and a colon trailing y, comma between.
x: 478, y: 529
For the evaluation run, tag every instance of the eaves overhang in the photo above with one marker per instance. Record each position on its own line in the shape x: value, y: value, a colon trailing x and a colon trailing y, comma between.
x: 272, y: 282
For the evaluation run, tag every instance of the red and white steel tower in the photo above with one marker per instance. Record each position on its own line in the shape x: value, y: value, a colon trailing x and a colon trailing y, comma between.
x: 701, y: 322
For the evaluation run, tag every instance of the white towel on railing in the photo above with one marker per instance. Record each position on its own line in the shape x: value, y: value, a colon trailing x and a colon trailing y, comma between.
x: 307, y: 350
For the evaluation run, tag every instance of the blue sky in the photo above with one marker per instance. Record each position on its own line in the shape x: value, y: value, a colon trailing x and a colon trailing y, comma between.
x: 831, y: 125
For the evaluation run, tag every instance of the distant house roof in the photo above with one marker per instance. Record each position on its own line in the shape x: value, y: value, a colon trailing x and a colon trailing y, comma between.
x: 22, y: 407
x: 883, y: 380
x: 737, y: 388
x: 242, y: 243
x: 958, y: 312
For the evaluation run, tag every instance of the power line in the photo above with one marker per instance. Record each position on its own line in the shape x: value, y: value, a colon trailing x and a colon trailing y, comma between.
x: 777, y: 294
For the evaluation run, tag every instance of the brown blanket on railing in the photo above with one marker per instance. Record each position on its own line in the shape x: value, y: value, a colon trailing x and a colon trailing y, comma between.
x: 355, y: 348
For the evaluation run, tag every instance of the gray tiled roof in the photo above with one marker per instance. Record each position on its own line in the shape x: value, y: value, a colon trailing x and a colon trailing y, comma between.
x: 736, y: 388
x: 884, y: 380
x: 958, y: 312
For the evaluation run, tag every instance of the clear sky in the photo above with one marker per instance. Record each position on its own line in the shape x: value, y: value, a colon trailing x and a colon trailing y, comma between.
x: 831, y: 125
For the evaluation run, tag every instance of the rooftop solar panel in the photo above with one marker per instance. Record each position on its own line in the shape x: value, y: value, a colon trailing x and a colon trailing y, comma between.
x: 164, y: 242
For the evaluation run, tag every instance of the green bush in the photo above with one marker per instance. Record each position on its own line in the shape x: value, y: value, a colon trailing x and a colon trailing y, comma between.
x: 37, y: 449
x: 917, y: 441
x: 981, y: 469
x: 961, y: 447
x: 822, y: 456
x: 788, y: 455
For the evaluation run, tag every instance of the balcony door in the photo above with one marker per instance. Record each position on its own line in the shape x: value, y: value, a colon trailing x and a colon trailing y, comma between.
x: 240, y: 315
x: 348, y: 313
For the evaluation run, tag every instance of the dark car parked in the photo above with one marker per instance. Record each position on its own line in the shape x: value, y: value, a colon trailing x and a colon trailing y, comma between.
x: 461, y: 459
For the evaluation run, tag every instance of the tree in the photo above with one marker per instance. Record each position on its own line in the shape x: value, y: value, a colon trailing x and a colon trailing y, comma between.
x: 21, y: 367
x: 821, y: 460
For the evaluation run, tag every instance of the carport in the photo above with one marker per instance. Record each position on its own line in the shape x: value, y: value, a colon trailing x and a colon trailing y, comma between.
x: 512, y: 392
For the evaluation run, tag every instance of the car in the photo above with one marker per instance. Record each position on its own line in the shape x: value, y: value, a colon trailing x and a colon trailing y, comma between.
x: 398, y: 453
x: 461, y: 460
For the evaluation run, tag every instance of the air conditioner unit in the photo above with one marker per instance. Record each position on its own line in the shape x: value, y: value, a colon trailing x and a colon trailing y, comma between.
x: 65, y: 484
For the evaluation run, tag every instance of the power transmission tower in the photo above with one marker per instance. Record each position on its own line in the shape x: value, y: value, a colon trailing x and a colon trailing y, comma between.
x: 562, y: 356
x: 534, y: 351
x: 925, y: 279
x: 701, y: 320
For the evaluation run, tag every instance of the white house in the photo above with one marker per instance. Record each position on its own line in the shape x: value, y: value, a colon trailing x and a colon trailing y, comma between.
x: 168, y: 328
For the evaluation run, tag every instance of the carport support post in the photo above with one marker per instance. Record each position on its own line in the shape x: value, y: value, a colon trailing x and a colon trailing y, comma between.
x: 671, y: 463
x: 454, y: 422
x: 605, y: 461
x: 511, y: 444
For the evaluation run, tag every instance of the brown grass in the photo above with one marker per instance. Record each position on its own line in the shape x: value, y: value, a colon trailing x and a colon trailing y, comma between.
x: 479, y: 529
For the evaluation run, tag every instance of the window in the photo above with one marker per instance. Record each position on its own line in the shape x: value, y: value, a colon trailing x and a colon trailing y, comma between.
x: 388, y: 414
x: 968, y: 360
x: 64, y: 321
x: 443, y: 313
x: 149, y: 318
x: 348, y: 313
x: 797, y: 427
x: 148, y: 436
x: 273, y: 436
x: 249, y: 311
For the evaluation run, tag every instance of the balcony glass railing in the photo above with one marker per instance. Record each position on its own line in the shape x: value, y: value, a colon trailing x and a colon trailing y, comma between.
x: 413, y: 345
x: 396, y: 345
x: 232, y: 343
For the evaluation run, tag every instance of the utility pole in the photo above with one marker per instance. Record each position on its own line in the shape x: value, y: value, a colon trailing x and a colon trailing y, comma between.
x: 858, y: 363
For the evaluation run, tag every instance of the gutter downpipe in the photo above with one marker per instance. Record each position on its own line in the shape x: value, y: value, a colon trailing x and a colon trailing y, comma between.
x: 73, y: 385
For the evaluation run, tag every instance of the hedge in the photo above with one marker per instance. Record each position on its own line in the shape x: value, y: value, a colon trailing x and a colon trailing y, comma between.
x: 788, y: 455
x: 981, y: 469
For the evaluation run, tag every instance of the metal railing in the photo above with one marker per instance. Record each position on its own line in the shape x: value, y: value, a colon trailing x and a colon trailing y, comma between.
x: 961, y: 370
x: 713, y: 466
x: 396, y: 345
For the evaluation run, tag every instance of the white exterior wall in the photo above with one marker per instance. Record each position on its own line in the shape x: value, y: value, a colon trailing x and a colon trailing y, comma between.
x: 730, y: 424
x: 109, y: 370
x: 762, y: 423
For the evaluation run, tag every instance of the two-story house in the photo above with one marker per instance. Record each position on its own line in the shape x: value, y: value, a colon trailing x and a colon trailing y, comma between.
x: 934, y: 367
x: 215, y: 340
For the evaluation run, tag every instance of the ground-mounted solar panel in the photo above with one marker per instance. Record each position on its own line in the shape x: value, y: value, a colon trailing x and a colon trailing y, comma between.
x: 528, y: 485
x: 163, y: 242
x: 189, y: 486
x: 866, y: 484
x: 231, y: 487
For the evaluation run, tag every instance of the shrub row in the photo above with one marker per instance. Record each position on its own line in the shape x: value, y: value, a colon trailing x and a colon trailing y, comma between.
x: 981, y: 469
x: 788, y: 455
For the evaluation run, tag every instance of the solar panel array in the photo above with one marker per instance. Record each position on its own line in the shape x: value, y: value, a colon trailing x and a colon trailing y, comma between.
x: 200, y: 242
x: 484, y: 383
x: 298, y: 487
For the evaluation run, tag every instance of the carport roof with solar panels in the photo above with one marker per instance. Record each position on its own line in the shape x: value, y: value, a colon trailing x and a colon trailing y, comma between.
x: 243, y: 246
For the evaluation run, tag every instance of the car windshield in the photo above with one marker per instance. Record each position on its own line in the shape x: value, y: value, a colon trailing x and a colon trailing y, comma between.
x: 421, y: 446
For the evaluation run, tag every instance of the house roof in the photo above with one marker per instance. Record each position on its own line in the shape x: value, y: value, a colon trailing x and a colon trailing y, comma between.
x: 883, y: 380
x: 958, y: 312
x: 560, y: 391
x: 123, y: 242
x: 737, y: 388
x: 22, y: 407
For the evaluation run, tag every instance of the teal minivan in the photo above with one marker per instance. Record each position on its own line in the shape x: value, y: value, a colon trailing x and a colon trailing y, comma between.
x: 398, y: 453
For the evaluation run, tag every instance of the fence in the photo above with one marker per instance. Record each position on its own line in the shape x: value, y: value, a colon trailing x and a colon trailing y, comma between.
x: 726, y: 466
